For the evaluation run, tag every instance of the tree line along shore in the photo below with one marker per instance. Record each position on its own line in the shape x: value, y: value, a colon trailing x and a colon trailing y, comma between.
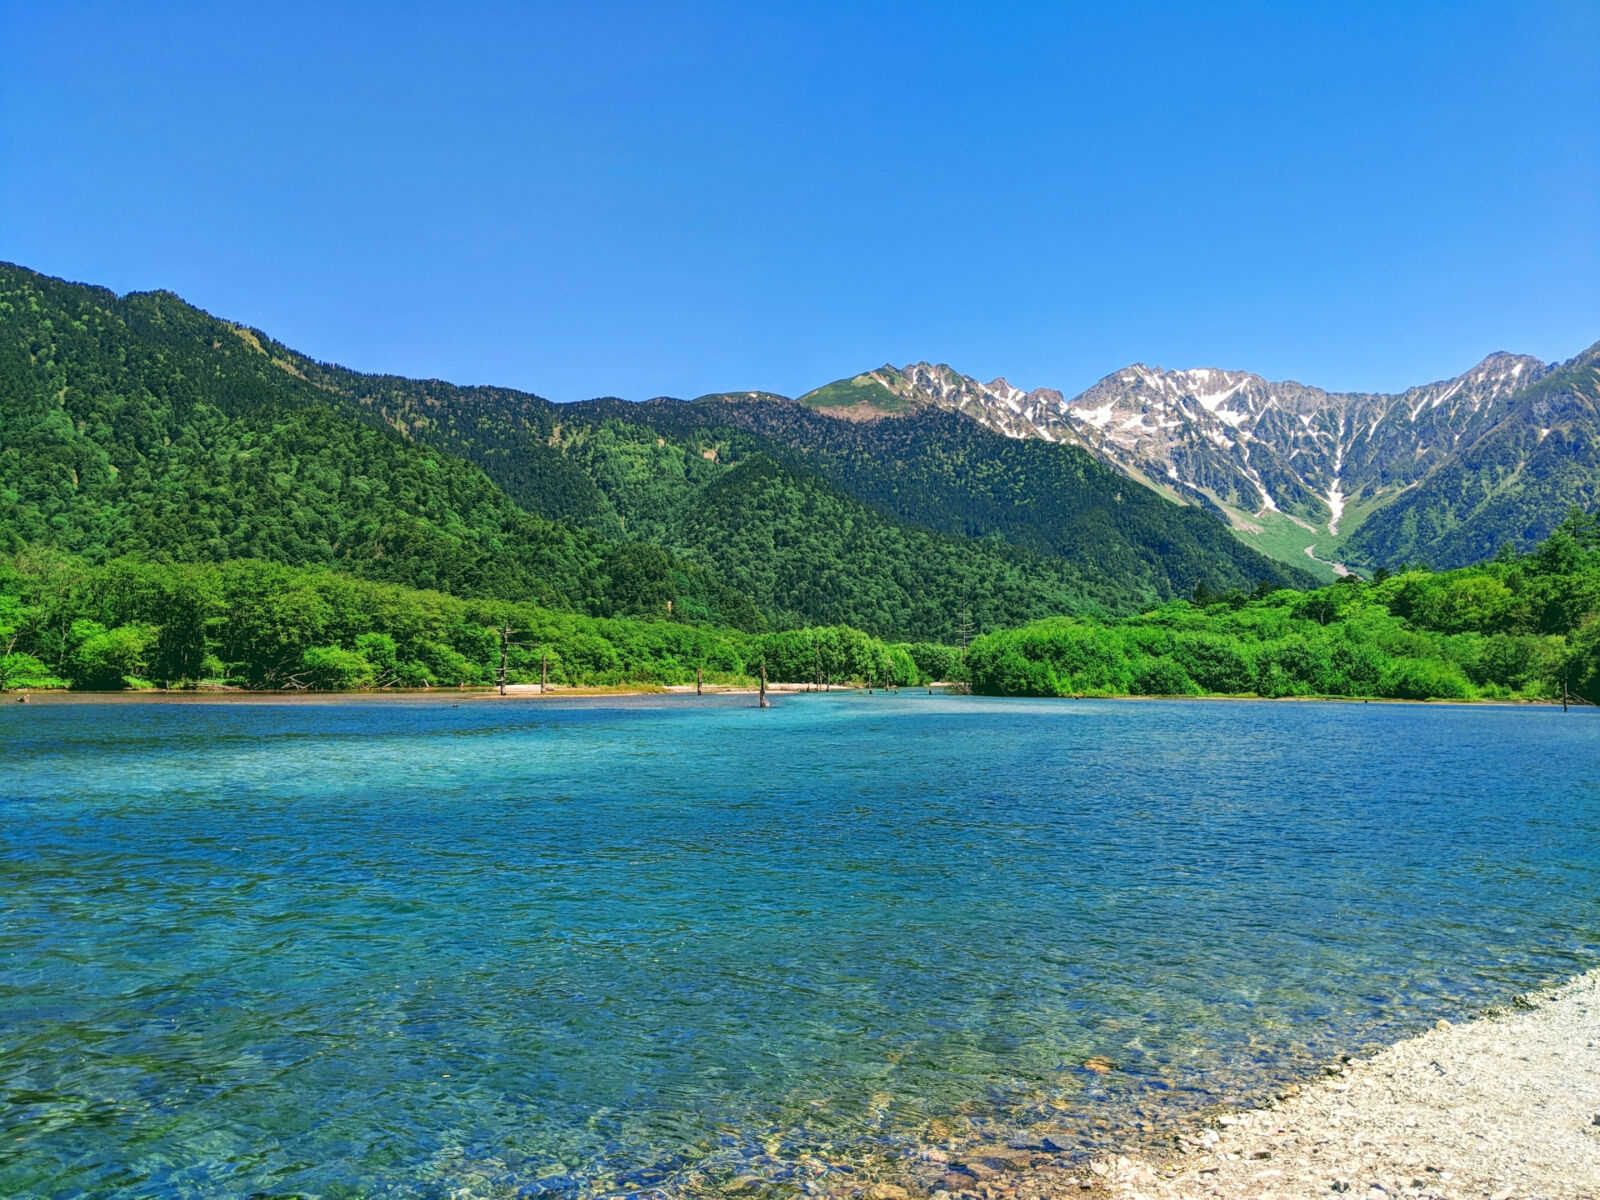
x: 1522, y: 626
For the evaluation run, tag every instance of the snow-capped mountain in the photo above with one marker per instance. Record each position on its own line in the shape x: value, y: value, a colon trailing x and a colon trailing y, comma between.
x: 1228, y: 439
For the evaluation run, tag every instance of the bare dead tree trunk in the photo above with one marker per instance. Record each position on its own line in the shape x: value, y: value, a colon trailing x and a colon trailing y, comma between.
x: 764, y: 703
x: 699, y: 682
x: 544, y: 672
x: 505, y: 648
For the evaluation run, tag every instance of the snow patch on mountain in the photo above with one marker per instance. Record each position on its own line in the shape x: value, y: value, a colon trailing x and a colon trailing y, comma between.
x: 1240, y: 440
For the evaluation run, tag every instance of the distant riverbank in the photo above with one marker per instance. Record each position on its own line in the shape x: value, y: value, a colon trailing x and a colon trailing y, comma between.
x: 518, y: 691
x: 527, y: 691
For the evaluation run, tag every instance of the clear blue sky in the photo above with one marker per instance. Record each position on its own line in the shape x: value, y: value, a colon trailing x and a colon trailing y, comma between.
x: 651, y: 199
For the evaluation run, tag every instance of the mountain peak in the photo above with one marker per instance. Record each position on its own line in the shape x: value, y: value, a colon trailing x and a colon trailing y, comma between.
x: 882, y: 391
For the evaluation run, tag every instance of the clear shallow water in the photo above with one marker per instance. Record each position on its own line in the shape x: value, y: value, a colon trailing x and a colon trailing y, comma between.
x: 536, y: 949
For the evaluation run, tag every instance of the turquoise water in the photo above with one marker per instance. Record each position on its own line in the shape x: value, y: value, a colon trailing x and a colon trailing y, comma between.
x: 561, y: 949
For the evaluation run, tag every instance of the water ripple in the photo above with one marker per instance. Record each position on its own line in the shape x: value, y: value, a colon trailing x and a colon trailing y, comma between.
x: 654, y: 947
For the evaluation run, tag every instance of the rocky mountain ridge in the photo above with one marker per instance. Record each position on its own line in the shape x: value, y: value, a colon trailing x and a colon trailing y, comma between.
x: 1308, y: 462
x: 1233, y: 439
x: 1509, y: 484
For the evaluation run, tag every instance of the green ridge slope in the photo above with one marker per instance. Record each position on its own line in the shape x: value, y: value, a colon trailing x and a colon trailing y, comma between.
x: 141, y: 425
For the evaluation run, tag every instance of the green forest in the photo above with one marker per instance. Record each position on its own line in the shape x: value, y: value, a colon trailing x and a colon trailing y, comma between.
x: 251, y: 624
x: 1518, y: 627
x: 940, y: 470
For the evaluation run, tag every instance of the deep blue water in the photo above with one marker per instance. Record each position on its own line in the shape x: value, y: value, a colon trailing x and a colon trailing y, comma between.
x: 516, y: 947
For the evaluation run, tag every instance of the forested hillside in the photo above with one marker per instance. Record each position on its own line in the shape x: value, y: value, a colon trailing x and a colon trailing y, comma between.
x: 511, y: 436
x: 937, y: 471
x: 141, y: 425
x: 804, y: 551
x: 940, y: 470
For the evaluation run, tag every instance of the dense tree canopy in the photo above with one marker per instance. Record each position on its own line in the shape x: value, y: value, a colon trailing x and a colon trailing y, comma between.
x: 942, y: 471
x: 142, y: 426
x: 1520, y: 626
x: 251, y: 624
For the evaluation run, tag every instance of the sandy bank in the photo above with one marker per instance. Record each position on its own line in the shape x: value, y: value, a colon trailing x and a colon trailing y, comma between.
x: 376, y: 696
x: 525, y: 691
x: 514, y: 691
x: 1502, y: 1108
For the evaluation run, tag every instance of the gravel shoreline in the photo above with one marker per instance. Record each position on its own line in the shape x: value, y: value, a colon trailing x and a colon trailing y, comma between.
x: 1506, y: 1107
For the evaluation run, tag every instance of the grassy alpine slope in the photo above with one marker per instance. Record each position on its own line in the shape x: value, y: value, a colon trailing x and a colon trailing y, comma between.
x: 1521, y: 626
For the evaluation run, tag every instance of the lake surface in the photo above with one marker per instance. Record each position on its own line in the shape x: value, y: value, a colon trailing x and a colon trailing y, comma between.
x: 559, y: 949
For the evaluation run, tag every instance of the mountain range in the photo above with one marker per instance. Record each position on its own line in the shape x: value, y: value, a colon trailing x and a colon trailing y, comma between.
x: 140, y: 425
x: 1445, y: 472
x: 914, y: 503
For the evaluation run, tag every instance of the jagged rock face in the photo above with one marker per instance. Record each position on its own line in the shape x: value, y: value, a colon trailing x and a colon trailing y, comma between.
x: 1233, y: 439
x: 996, y: 404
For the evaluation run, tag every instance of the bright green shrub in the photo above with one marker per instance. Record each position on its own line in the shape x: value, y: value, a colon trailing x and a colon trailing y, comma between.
x: 26, y: 671
x: 1424, y: 679
x: 329, y: 668
x: 1162, y: 677
x: 935, y: 662
x: 110, y: 658
x: 1215, y: 663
